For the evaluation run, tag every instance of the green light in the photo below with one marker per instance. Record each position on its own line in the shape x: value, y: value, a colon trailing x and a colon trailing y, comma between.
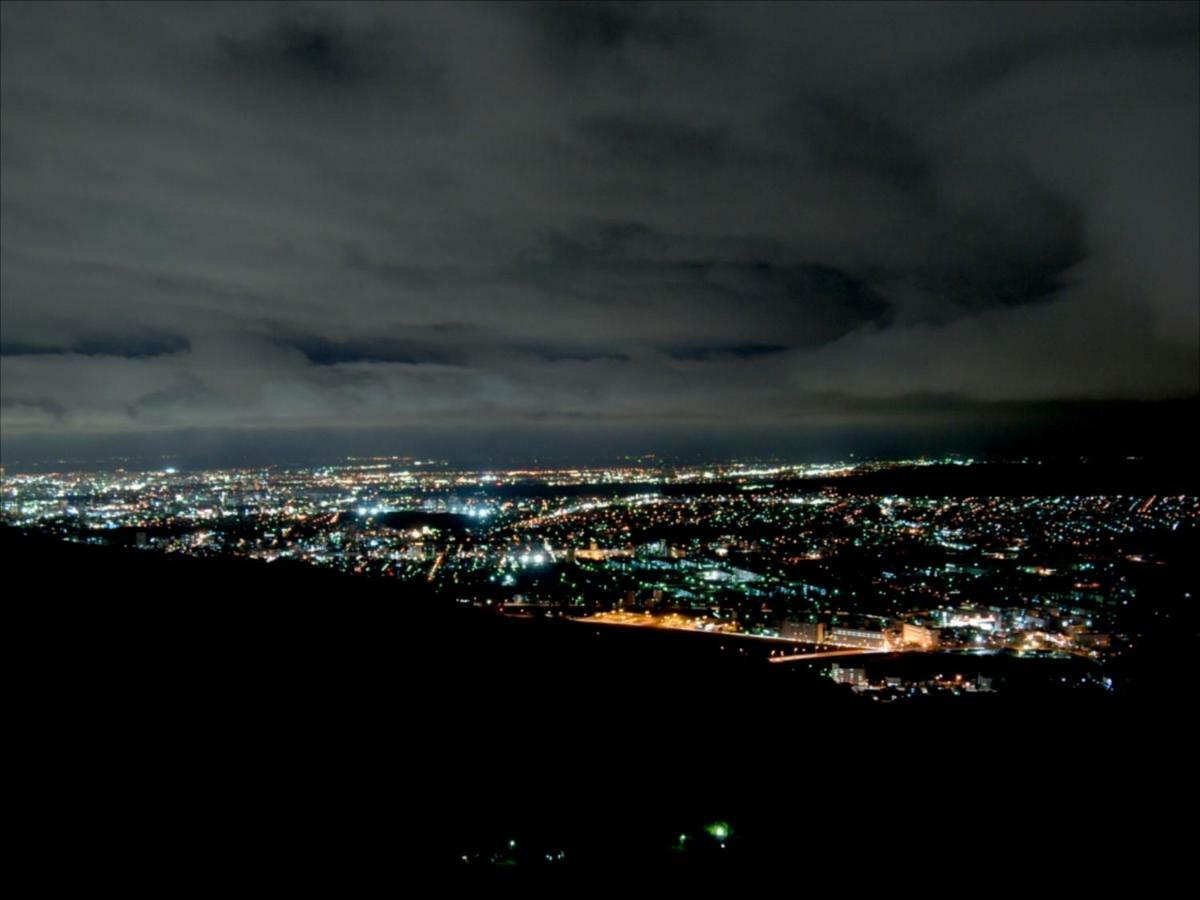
x: 719, y: 830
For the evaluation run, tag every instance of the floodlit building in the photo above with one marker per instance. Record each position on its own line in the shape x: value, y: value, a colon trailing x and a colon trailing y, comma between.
x: 918, y: 636
x: 857, y: 637
x: 810, y: 632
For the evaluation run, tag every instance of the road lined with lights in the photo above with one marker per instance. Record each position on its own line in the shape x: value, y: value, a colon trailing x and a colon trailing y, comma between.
x: 633, y: 621
x: 825, y: 654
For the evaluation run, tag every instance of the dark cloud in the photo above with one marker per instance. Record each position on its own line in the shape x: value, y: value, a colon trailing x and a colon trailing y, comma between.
x: 318, y: 49
x: 615, y: 139
x: 757, y: 217
x: 739, y: 351
x: 323, y: 352
x: 844, y: 139
x: 574, y: 28
x: 576, y: 354
x: 134, y: 346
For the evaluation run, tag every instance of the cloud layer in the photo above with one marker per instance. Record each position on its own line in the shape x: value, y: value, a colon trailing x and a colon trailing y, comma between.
x: 422, y: 216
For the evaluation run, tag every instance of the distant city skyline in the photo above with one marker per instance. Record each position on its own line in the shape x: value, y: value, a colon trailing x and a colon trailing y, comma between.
x: 1098, y: 431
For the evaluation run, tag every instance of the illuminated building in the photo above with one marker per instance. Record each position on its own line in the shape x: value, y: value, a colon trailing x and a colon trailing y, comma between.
x: 854, y: 677
x: 918, y: 636
x: 810, y: 632
x: 857, y: 637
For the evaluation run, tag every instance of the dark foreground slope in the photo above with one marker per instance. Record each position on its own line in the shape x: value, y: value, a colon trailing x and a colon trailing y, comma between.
x: 237, y: 723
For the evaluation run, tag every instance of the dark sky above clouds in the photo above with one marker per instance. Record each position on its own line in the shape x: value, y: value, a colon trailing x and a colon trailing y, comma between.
x: 443, y: 223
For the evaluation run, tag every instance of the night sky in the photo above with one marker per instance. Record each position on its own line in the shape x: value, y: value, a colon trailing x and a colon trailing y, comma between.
x: 530, y: 230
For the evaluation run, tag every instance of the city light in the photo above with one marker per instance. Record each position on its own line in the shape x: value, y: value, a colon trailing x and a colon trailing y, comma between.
x: 821, y: 576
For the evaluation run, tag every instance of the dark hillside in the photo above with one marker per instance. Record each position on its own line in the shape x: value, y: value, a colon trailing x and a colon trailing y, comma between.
x: 185, y: 710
